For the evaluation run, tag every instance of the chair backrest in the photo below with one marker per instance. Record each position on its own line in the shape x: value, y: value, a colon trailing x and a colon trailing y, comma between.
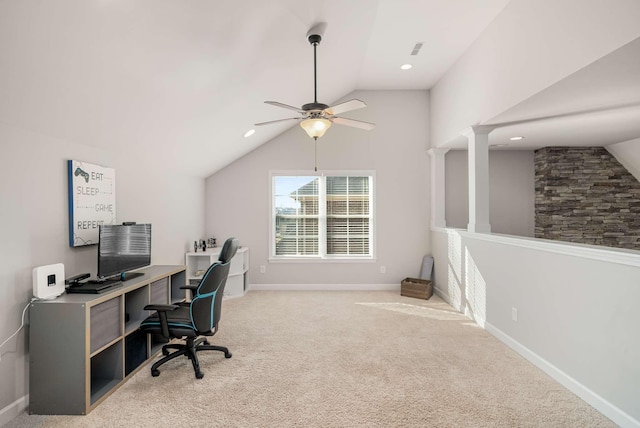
x: 229, y: 249
x: 206, y: 306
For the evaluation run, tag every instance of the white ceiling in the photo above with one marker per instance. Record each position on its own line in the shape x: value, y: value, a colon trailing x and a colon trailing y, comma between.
x: 186, y: 80
x: 598, y: 105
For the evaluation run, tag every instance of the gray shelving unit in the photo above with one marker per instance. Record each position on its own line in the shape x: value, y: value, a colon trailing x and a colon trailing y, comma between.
x: 82, y: 347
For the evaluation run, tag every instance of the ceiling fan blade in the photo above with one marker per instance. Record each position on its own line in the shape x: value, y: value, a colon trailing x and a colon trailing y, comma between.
x: 277, y: 104
x: 276, y: 121
x: 346, y: 106
x: 355, y: 123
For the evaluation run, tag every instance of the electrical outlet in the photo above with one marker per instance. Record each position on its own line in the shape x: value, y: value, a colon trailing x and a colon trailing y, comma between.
x: 263, y: 269
x: 383, y: 269
x: 514, y: 314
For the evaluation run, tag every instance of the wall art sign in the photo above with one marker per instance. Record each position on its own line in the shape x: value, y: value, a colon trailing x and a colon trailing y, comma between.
x: 92, y: 201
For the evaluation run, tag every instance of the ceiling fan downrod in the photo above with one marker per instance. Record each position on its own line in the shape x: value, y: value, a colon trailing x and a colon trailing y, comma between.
x: 315, y: 39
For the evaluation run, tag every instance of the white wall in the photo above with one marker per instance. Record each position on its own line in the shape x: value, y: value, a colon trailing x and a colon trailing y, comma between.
x: 511, y: 191
x: 576, y: 309
x: 628, y: 154
x: 513, y: 59
x: 238, y: 200
x: 34, y: 226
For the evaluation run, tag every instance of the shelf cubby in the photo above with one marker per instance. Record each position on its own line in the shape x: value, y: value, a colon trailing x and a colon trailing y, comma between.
x: 106, y: 323
x: 135, y: 351
x: 160, y: 291
x: 178, y: 280
x: 106, y: 371
x: 134, y: 313
x: 157, y: 342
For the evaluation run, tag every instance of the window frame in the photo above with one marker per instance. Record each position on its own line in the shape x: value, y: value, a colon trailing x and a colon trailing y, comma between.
x: 322, y: 257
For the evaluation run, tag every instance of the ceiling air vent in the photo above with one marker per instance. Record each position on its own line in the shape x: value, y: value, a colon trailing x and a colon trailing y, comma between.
x: 416, y: 48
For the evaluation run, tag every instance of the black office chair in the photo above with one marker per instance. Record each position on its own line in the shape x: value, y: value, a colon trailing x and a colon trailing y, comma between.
x: 197, y: 318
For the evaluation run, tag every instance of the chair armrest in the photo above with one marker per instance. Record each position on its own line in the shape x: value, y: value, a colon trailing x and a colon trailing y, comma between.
x: 161, y: 308
x: 162, y: 315
x: 193, y: 287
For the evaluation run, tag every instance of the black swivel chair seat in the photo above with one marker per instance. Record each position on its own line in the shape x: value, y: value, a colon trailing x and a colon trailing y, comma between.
x: 195, y: 320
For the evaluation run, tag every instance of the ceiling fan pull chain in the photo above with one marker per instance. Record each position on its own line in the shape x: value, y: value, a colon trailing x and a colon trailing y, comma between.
x: 315, y: 159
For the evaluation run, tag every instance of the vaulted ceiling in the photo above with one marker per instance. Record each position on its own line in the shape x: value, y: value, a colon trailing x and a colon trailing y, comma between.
x: 186, y: 80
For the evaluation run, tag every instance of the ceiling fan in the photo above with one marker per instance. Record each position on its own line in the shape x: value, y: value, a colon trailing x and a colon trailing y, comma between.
x: 316, y: 117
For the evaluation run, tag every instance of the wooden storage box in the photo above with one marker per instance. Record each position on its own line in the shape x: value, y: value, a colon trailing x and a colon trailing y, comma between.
x: 419, y: 288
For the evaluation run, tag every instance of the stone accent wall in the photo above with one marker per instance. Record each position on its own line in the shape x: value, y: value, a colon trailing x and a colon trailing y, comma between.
x: 584, y: 195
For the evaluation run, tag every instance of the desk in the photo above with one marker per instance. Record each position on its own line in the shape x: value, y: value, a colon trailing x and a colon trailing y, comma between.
x: 82, y: 347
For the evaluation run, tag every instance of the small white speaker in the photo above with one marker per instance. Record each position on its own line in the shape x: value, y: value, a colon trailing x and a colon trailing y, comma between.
x: 48, y: 281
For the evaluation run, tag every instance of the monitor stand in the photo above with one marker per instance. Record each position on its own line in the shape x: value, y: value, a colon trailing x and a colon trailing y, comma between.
x: 126, y: 276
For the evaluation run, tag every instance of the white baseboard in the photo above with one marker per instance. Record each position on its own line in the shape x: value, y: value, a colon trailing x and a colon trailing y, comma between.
x: 13, y: 410
x: 443, y: 295
x: 603, y: 406
x: 617, y: 415
x: 324, y: 287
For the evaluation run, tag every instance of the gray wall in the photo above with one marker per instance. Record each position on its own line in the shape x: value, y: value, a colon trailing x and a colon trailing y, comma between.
x: 34, y: 225
x: 237, y: 197
x: 511, y: 191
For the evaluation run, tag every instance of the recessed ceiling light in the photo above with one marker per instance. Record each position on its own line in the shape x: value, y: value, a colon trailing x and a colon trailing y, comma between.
x: 406, y: 66
x: 249, y: 133
x: 516, y: 138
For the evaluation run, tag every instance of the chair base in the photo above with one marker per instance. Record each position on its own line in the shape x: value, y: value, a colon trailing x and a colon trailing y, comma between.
x: 190, y: 350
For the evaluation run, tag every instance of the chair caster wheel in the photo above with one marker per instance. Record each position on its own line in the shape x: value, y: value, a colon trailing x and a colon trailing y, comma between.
x: 155, y: 373
x: 227, y: 354
x: 199, y: 375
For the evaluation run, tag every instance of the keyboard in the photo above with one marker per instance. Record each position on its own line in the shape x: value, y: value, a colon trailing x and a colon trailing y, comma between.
x: 95, y: 286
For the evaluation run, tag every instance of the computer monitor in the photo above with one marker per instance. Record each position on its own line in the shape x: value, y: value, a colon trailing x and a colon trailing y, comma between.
x: 122, y: 248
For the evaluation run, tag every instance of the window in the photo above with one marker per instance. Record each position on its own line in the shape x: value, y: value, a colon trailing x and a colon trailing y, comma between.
x: 322, y: 217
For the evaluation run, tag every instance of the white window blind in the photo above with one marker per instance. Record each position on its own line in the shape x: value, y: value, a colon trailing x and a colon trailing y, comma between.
x: 296, y: 215
x: 328, y: 216
x: 348, y: 212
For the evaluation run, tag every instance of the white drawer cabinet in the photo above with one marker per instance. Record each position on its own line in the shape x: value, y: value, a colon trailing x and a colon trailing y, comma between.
x: 198, y: 263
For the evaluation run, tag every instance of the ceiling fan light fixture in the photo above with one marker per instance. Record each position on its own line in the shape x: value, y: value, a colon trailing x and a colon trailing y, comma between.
x: 315, y: 127
x: 317, y: 117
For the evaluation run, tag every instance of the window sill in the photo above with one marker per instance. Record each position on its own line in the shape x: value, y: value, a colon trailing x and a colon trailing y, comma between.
x: 320, y: 260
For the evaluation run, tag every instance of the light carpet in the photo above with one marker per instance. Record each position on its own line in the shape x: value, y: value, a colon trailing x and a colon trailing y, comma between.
x: 342, y: 359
